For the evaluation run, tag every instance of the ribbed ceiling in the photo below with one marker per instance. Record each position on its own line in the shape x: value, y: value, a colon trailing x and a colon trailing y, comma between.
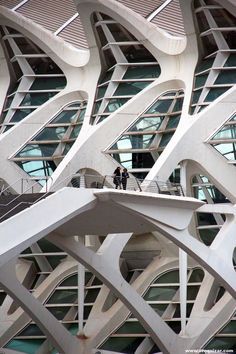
x: 170, y: 19
x: 144, y: 8
x: 10, y: 3
x: 54, y: 14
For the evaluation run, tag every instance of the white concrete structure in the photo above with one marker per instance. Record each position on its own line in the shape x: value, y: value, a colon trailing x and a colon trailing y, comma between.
x: 86, y: 86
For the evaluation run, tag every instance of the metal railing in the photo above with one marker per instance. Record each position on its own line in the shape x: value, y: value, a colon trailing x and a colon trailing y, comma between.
x: 133, y: 184
x: 85, y: 181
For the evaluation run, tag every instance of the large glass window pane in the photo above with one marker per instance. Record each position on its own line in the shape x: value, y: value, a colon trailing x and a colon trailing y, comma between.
x: 115, y: 103
x: 162, y: 293
x: 131, y: 327
x: 91, y: 295
x: 169, y: 277
x: 26, y: 46
x: 58, y: 312
x: 226, y: 77
x: 101, y: 91
x: 227, y: 132
x: 21, y: 114
x: 160, y: 106
x: 147, y: 123
x: 230, y: 328
x: 48, y: 83
x: 227, y: 150
x: 200, y: 80
x: 231, y: 61
x: 142, y: 72
x: 208, y: 235
x: 134, y: 160
x: 31, y: 330
x: 205, y: 64
x: 222, y: 343
x: 214, y: 93
x: 165, y: 139
x: 44, y: 66
x: 68, y: 296
x: 37, y: 150
x: 122, y: 344
x: 28, y: 346
x: 36, y: 99
x: 119, y: 33
x: 131, y: 88
x: 173, y: 122
x: 54, y: 133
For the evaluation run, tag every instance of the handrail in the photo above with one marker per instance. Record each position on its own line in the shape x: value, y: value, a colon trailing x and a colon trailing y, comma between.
x: 100, y: 182
x: 8, y: 187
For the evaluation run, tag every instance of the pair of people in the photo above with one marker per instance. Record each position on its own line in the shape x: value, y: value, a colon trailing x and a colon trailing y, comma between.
x: 120, y: 178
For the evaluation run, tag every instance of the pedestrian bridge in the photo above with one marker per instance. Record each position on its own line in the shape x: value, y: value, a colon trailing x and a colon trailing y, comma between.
x: 31, y: 190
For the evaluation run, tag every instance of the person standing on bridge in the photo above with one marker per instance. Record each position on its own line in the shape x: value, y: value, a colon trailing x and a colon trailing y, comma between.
x: 117, y: 177
x: 124, y: 176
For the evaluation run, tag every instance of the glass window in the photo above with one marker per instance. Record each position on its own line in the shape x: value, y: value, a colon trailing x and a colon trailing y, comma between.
x: 142, y: 72
x: 68, y: 296
x: 214, y: 93
x: 58, y: 312
x: 131, y: 88
x: 173, y: 122
x: 37, y: 168
x: 49, y: 83
x: 161, y: 294
x: 31, y: 330
x: 226, y: 77
x: 208, y: 235
x: 231, y: 61
x: 229, y: 328
x: 165, y: 139
x: 26, y: 46
x: 21, y: 114
x: 65, y: 117
x: 131, y: 327
x: 44, y: 66
x: 223, y: 18
x: 160, y: 106
x: 37, y: 150
x: 134, y: 160
x: 36, y: 99
x: 178, y: 105
x: 169, y: 277
x: 101, y: 91
x: 115, y: 103
x: 222, y: 343
x: 119, y: 33
x: 196, y: 276
x: 122, y: 344
x: 227, y: 132
x: 205, y: 64
x: 200, y: 80
x: 202, y: 21
x: 54, y: 133
x: 91, y: 295
x: 227, y: 150
x: 147, y: 123
x: 209, y: 44
x: 29, y: 346
x: 137, y: 53
x: 134, y: 142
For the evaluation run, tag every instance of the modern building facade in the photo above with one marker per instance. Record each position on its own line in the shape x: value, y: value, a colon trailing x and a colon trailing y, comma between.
x: 86, y: 86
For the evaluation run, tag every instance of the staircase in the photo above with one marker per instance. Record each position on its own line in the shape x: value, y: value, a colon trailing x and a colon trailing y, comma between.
x: 13, y: 204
